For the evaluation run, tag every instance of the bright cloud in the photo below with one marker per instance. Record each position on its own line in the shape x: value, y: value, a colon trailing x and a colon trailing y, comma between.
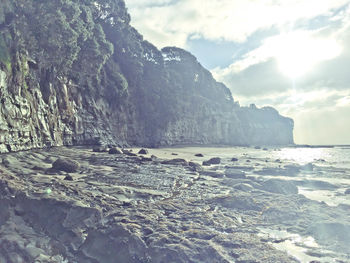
x: 166, y: 22
x: 295, y: 52
x: 298, y: 52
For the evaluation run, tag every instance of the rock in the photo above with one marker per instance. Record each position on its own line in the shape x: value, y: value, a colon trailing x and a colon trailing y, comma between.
x: 234, y: 160
x: 37, y: 168
x: 5, y: 162
x: 243, y: 187
x: 347, y: 191
x: 115, y: 150
x: 174, y: 154
x: 153, y: 157
x: 65, y: 165
x: 195, y: 166
x: 128, y: 152
x: 240, y: 202
x: 257, y: 147
x: 215, y: 160
x: 143, y: 151
x: 146, y: 159
x: 68, y: 178
x: 279, y: 186
x: 177, y: 161
x: 235, y: 174
x: 199, y: 155
x: 214, y: 174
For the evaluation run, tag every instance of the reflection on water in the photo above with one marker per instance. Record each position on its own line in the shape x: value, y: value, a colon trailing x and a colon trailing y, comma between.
x: 304, y: 155
x: 294, y: 244
x: 339, y: 157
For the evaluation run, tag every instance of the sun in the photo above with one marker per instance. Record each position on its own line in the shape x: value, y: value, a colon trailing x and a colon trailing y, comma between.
x: 297, y: 53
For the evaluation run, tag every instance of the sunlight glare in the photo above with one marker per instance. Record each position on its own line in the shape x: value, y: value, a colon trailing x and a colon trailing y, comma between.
x: 298, y: 52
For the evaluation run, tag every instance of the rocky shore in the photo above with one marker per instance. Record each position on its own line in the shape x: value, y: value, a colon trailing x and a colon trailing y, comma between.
x: 130, y: 207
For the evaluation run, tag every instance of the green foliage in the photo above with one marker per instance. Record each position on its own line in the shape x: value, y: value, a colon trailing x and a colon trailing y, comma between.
x: 61, y: 34
x: 93, y: 54
x: 115, y: 83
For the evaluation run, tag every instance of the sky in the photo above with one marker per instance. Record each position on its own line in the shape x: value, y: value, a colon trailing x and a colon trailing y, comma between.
x: 293, y: 55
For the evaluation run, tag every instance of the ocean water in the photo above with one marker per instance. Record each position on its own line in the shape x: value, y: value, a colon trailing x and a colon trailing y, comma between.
x: 336, y: 156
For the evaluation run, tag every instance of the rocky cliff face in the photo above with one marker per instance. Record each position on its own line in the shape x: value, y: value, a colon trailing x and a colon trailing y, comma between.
x: 207, y: 114
x: 78, y: 73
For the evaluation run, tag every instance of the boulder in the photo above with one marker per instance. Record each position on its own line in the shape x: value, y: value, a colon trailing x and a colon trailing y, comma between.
x: 234, y: 160
x: 128, y: 152
x: 199, y: 155
x: 235, y: 174
x: 5, y: 162
x: 143, y: 151
x: 347, y: 191
x: 65, y: 165
x: 115, y: 150
x: 177, y: 161
x: 68, y: 178
x: 243, y: 201
x: 214, y: 174
x: 215, y: 160
x: 195, y: 166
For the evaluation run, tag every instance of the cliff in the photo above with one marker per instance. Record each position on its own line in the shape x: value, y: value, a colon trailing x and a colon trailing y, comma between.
x: 77, y: 73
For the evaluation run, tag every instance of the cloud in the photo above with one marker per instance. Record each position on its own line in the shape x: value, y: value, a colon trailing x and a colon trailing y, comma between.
x: 166, y: 22
x: 322, y: 55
